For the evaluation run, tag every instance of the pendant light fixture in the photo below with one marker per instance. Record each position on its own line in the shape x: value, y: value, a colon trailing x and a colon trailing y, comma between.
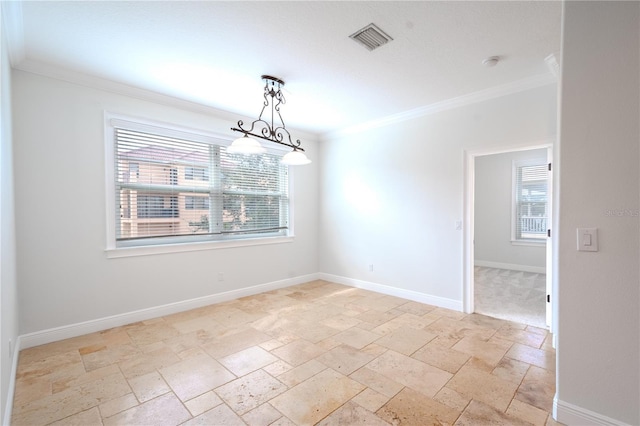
x: 269, y: 130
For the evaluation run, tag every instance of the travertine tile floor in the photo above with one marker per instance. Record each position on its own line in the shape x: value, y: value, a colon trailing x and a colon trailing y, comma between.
x: 317, y: 353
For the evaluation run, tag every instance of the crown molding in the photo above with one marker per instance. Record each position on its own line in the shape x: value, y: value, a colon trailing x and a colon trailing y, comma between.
x: 460, y: 101
x: 14, y: 30
x: 87, y: 80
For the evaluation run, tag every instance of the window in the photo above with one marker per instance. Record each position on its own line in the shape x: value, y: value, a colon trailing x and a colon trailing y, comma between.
x: 173, y: 186
x: 196, y: 173
x: 196, y: 202
x: 530, y: 201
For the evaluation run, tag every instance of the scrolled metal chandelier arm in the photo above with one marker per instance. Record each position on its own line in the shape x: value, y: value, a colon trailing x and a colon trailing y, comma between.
x: 261, y: 128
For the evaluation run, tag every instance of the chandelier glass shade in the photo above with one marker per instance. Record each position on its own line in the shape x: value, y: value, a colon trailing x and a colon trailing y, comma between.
x: 273, y: 130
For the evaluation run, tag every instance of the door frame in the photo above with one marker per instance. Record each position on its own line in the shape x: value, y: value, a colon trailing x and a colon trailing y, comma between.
x: 469, y: 219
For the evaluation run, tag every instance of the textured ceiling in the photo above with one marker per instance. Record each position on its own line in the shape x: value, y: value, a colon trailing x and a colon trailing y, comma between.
x: 213, y: 53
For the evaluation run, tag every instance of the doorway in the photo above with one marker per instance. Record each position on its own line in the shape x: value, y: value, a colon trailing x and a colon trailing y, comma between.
x: 507, y: 249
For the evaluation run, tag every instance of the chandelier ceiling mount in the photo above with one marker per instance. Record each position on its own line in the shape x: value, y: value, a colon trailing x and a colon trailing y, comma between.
x: 273, y: 130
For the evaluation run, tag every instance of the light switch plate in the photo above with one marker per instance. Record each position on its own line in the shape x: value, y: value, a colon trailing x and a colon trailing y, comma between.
x: 587, y: 239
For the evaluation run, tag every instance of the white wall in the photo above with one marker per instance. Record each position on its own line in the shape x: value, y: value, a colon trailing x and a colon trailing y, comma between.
x: 8, y: 279
x: 494, y: 216
x: 598, y: 320
x: 391, y: 196
x: 65, y: 276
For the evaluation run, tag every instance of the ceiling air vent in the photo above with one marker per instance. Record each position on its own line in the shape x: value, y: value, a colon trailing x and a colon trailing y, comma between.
x: 371, y: 37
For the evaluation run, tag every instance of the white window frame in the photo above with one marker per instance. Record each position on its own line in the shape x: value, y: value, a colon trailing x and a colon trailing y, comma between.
x: 175, y: 244
x: 514, y: 207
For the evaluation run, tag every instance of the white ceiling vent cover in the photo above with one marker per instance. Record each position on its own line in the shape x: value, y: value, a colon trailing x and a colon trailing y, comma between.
x: 371, y: 37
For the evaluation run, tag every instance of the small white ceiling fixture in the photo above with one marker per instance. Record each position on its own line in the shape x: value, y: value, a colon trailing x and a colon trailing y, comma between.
x: 269, y: 130
x: 491, y: 61
x: 371, y: 37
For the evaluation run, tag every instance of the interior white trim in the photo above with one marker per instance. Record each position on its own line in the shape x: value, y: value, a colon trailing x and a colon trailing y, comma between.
x: 441, y: 302
x: 468, y: 99
x: 8, y: 408
x: 573, y: 415
x: 73, y: 330
x: 511, y: 266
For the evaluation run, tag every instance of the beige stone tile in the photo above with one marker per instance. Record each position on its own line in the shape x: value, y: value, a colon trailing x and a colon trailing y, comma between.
x: 70, y: 401
x: 84, y: 418
x: 547, y: 345
x: 478, y: 413
x: 375, y: 318
x: 148, y: 386
x: 313, y: 331
x: 117, y: 405
x: 90, y: 349
x: 147, y: 362
x: 409, y: 407
x: 151, y: 333
x: 247, y: 360
x: 322, y: 393
x: 525, y: 337
x: 441, y: 357
x: 341, y: 322
x: 328, y: 344
x: 451, y: 328
x: 405, y: 340
x: 410, y: 372
x: 232, y: 343
x: 528, y: 413
x: 199, y: 323
x: 416, y: 308
x: 403, y: 320
x: 538, y: 388
x: 60, y: 365
x: 271, y: 344
x: 377, y: 381
x: 283, y: 421
x: 357, y: 337
x: 345, y: 359
x: 511, y: 369
x: 165, y: 409
x: 298, y: 352
x: 195, y: 376
x: 250, y: 391
x: 370, y: 399
x: 231, y: 317
x: 263, y: 415
x: 188, y: 341
x: 448, y: 313
x: 277, y: 368
x: 352, y: 414
x: 27, y: 390
x: 452, y: 399
x: 203, y: 403
x: 483, y: 387
x: 490, y: 353
x: 60, y: 384
x: 301, y: 373
x: 485, y: 321
x: 538, y: 357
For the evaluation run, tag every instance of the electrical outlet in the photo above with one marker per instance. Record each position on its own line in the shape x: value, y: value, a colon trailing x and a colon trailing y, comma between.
x: 220, y: 276
x: 371, y: 267
x: 10, y: 349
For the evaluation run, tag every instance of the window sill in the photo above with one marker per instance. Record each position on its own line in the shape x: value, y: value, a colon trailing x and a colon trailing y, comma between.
x: 529, y: 243
x: 113, y: 253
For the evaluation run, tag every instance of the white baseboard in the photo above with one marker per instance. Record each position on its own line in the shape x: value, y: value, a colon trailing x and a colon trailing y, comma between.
x: 511, y: 266
x: 441, y: 302
x: 92, y: 326
x: 8, y: 408
x: 570, y: 414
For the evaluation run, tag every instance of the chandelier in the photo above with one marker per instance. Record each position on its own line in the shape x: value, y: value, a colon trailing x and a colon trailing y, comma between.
x: 269, y: 130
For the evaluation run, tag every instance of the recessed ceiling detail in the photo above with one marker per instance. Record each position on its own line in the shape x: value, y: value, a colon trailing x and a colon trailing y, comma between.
x: 371, y: 37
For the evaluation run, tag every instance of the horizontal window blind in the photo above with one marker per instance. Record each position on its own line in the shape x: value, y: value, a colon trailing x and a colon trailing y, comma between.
x: 531, y: 202
x: 168, y: 186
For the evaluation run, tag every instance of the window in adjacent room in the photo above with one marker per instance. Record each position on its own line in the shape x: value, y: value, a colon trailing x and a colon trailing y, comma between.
x: 530, y: 201
x: 173, y: 186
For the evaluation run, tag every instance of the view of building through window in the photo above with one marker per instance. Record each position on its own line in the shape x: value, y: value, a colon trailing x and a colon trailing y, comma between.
x: 173, y: 187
